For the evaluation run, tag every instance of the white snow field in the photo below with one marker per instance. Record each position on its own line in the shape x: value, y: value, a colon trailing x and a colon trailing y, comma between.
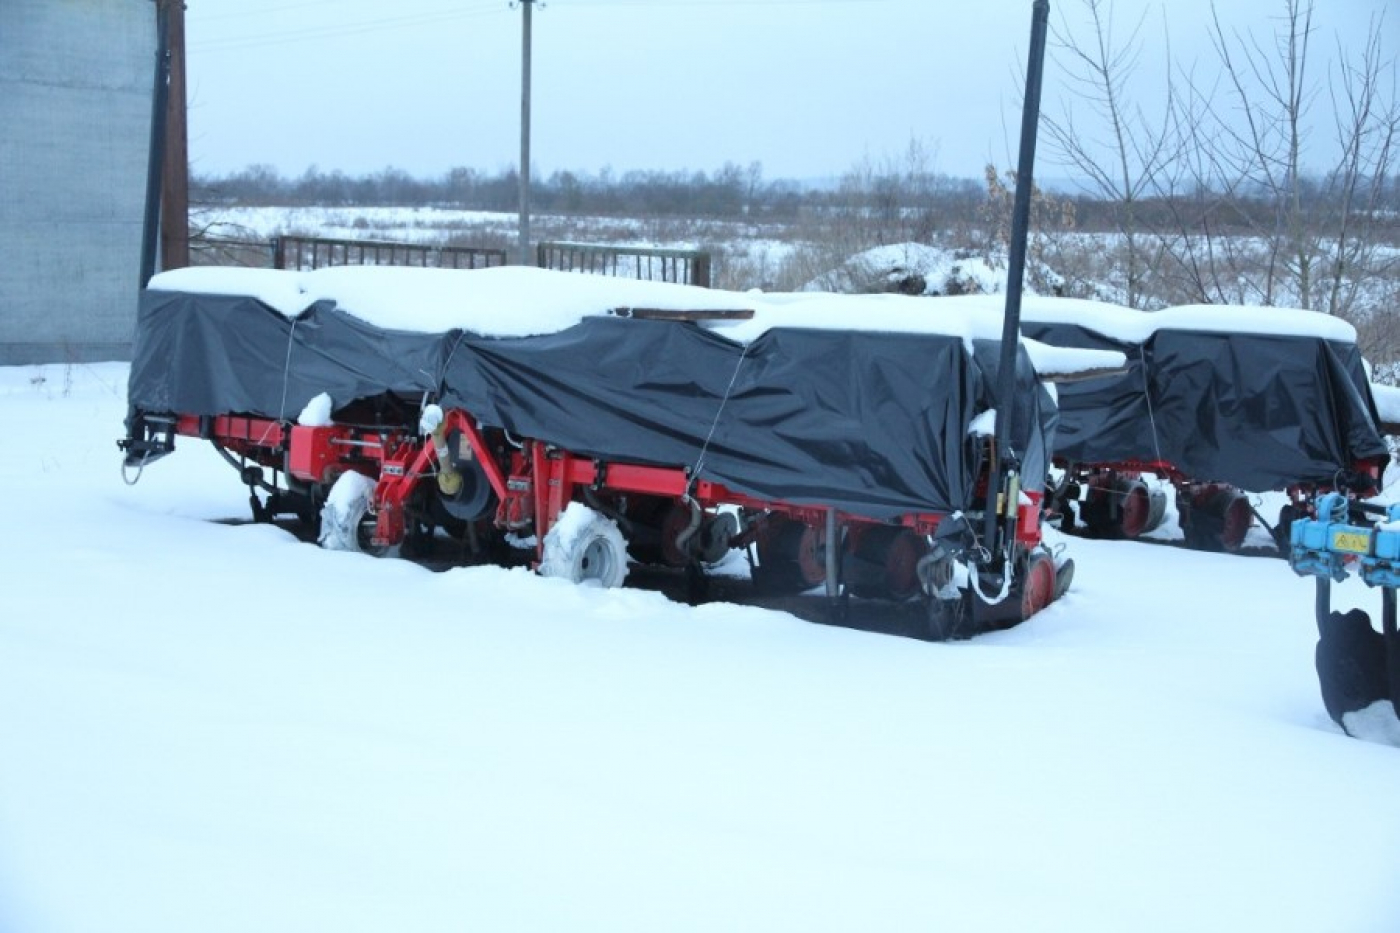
x: 207, y: 726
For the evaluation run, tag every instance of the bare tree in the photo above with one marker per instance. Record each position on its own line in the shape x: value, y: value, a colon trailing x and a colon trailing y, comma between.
x: 1258, y: 142
x: 1057, y: 265
x: 1314, y: 238
x: 900, y: 199
x: 1233, y: 193
x: 1367, y: 112
x: 1121, y: 151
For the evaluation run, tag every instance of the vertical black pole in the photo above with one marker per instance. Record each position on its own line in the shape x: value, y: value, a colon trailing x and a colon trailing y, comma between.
x: 1015, y: 273
x: 1322, y: 602
x: 155, y: 158
x: 1390, y: 630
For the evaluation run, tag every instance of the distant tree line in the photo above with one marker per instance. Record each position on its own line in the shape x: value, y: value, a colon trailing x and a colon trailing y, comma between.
x: 732, y: 192
x: 895, y: 201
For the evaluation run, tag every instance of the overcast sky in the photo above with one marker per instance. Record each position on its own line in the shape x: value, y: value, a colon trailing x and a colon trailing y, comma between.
x: 807, y: 88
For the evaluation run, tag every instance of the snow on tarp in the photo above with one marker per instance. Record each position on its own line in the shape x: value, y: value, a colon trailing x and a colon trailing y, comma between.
x: 516, y: 301
x: 1387, y: 400
x: 511, y: 301
x: 859, y: 402
x: 1260, y: 398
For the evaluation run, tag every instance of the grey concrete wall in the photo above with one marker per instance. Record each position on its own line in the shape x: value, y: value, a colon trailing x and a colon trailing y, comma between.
x: 76, y: 80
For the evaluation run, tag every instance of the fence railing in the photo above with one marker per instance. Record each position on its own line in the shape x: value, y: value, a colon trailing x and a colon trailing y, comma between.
x: 686, y: 266
x: 295, y: 252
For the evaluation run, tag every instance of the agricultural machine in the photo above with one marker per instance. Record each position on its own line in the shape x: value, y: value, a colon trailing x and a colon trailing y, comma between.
x: 839, y: 460
x: 1214, y: 401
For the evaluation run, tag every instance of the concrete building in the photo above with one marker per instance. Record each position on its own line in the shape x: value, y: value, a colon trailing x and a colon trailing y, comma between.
x: 76, y: 86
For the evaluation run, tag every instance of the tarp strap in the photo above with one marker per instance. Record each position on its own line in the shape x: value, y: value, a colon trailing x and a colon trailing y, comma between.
x: 287, y: 370
x: 719, y: 412
x: 1151, y: 415
x: 446, y: 363
x: 286, y: 379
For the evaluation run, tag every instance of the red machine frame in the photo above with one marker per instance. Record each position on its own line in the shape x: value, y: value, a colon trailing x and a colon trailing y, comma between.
x: 532, y: 482
x: 541, y: 480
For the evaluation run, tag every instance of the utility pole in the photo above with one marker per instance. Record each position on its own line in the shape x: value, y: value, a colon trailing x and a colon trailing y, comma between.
x: 525, y: 6
x: 175, y: 186
x: 155, y: 159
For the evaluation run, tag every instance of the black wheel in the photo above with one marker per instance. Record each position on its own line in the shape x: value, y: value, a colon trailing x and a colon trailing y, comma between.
x: 1283, y: 531
x: 1216, y: 518
x: 884, y: 563
x: 791, y: 558
x: 1064, y: 577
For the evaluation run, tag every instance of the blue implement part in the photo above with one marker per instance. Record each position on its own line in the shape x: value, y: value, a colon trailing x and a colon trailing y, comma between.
x: 1356, y: 665
x: 1323, y: 546
x: 1382, y: 566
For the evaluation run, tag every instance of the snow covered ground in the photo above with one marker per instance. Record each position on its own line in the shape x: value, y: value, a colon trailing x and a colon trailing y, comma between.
x: 212, y: 726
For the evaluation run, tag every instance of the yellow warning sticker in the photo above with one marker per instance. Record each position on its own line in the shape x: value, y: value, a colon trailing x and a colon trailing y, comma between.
x: 1351, y: 542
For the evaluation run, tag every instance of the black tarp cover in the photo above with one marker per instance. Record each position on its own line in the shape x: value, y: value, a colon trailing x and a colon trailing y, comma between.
x: 873, y: 423
x: 1257, y: 411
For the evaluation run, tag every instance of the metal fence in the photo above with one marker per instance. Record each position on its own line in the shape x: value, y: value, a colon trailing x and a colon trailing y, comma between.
x: 294, y: 252
x: 686, y: 266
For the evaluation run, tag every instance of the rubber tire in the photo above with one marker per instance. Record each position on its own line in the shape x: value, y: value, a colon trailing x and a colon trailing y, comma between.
x: 595, y: 556
x: 1219, y: 521
x: 790, y: 559
x: 1236, y: 522
x: 345, y: 528
x: 1038, y: 585
x: 1134, y: 508
x: 884, y: 562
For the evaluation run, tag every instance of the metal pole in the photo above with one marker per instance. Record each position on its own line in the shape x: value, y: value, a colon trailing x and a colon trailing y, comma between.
x: 1015, y: 273
x: 833, y: 555
x: 175, y: 183
x: 155, y: 158
x: 1390, y: 631
x: 525, y: 132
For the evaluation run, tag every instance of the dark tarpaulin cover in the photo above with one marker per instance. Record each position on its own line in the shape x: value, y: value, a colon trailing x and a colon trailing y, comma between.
x: 871, y: 423
x: 1257, y: 411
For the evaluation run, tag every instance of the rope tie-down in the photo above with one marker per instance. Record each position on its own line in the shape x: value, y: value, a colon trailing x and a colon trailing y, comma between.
x: 714, y: 425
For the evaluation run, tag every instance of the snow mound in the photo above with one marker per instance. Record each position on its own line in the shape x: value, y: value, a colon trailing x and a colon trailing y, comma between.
x: 912, y: 269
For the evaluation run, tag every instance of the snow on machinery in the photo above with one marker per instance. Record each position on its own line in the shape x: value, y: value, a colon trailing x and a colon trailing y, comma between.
x: 1214, y: 400
x: 678, y: 422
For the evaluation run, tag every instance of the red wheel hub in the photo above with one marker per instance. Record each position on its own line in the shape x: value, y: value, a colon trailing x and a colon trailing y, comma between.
x: 1038, y: 588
